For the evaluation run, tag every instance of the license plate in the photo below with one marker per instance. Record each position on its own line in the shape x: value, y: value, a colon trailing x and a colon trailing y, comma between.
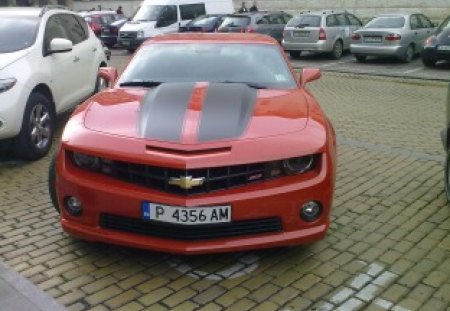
x: 301, y: 34
x: 125, y: 43
x: 444, y: 48
x: 186, y: 215
x: 372, y: 39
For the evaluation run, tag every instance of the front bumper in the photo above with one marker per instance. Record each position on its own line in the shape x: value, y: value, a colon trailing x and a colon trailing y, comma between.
x: 432, y: 52
x: 108, y: 40
x: 372, y: 50
x: 281, y: 198
x: 12, y: 107
x: 130, y: 43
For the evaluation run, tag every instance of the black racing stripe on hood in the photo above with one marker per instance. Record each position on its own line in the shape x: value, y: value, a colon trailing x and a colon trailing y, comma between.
x: 163, y: 110
x: 227, y: 110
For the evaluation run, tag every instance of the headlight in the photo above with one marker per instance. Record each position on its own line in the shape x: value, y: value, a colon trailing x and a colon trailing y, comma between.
x: 140, y: 34
x: 6, y: 84
x: 300, y: 164
x: 86, y: 161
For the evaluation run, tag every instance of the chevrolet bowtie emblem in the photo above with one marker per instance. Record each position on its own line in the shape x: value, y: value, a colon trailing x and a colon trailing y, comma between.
x: 186, y: 182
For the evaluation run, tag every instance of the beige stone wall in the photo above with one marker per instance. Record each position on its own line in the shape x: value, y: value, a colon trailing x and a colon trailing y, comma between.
x: 435, y: 9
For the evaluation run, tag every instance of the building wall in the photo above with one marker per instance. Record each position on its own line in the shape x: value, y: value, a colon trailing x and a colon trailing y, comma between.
x: 435, y: 9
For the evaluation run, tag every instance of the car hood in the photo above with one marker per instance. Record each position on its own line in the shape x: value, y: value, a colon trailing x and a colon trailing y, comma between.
x: 196, y: 113
x: 7, y: 59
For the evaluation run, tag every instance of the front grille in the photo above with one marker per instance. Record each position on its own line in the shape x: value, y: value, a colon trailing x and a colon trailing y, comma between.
x: 128, y: 35
x: 191, y: 232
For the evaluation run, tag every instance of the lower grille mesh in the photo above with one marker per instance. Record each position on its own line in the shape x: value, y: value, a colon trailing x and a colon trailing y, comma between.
x: 190, y: 232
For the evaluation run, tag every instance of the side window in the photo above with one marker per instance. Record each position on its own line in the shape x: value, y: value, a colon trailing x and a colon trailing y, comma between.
x: 414, y: 22
x: 286, y: 18
x: 191, y: 11
x: 83, y: 24
x: 426, y: 23
x: 276, y: 19
x: 265, y: 20
x: 168, y: 16
x: 342, y: 21
x: 354, y: 21
x: 54, y: 29
x: 332, y: 21
x: 75, y: 30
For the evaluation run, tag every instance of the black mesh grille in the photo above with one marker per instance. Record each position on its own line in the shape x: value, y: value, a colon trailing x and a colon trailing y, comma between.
x: 191, y: 232
x: 214, y: 179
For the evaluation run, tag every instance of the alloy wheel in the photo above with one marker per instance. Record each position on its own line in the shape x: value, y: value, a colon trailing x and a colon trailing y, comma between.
x: 40, y: 126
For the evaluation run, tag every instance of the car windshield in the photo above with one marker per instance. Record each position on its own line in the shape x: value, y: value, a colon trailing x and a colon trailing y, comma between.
x: 305, y: 21
x: 17, y: 33
x: 258, y: 65
x: 386, y: 22
x: 150, y: 12
x: 444, y: 25
x: 202, y: 21
x: 236, y: 21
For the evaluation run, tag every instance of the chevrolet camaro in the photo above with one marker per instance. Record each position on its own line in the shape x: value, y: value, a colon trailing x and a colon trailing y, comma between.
x: 205, y: 143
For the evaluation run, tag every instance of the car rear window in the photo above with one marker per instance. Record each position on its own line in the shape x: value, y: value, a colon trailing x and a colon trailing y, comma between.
x: 202, y: 21
x: 386, y: 22
x: 444, y: 25
x: 17, y: 33
x: 236, y: 21
x: 305, y: 21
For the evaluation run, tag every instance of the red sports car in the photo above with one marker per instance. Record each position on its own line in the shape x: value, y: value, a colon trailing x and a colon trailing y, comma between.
x: 206, y: 143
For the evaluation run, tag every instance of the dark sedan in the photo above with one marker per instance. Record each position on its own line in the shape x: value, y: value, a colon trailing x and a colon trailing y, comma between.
x: 110, y: 32
x: 204, y: 23
x: 437, y: 47
x: 269, y: 23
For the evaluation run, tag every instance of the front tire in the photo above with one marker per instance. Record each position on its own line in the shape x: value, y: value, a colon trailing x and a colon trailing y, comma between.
x: 428, y: 61
x: 52, y: 183
x: 38, y: 125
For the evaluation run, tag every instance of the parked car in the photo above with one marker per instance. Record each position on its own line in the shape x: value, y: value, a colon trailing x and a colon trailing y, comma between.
x: 110, y: 32
x: 49, y: 59
x: 156, y: 17
x: 99, y: 19
x: 323, y: 31
x: 268, y: 23
x: 204, y: 23
x: 398, y: 35
x: 206, y: 143
x: 437, y: 47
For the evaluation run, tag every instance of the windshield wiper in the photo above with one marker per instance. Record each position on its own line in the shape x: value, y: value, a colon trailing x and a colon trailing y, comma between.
x: 249, y: 84
x: 141, y: 83
x: 302, y: 25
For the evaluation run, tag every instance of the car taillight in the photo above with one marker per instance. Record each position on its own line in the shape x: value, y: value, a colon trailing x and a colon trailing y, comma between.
x: 392, y: 37
x: 355, y: 36
x: 248, y: 29
x: 322, y: 34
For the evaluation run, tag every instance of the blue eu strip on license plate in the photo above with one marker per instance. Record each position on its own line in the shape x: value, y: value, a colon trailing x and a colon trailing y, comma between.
x: 146, y: 211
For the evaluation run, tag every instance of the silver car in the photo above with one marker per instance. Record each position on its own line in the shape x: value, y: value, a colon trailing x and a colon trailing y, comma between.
x: 399, y: 35
x: 323, y: 31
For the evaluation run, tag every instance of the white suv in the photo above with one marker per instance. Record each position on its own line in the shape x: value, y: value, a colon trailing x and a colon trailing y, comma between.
x: 49, y: 60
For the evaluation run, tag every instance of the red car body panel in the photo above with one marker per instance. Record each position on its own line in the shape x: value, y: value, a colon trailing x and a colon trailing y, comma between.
x: 284, y: 124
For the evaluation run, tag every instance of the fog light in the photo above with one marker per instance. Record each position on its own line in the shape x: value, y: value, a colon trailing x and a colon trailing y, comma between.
x: 73, y: 206
x: 310, y: 211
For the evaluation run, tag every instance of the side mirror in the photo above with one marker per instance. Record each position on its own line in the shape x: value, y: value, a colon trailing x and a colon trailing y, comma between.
x: 309, y: 74
x: 59, y: 45
x: 108, y: 75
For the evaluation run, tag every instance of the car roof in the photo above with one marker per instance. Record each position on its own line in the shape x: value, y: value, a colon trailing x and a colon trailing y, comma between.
x: 23, y: 11
x: 396, y: 15
x: 214, y: 37
x: 321, y: 12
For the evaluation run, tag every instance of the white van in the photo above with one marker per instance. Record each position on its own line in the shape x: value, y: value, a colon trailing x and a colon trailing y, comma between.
x: 155, y: 17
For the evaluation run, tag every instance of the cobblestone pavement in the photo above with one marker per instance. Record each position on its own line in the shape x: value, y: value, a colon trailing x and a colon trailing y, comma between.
x: 388, y: 247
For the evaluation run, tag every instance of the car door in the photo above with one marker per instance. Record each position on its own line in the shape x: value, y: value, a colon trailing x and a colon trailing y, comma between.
x: 65, y: 87
x: 343, y: 30
x: 416, y: 31
x: 427, y: 28
x: 85, y: 49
